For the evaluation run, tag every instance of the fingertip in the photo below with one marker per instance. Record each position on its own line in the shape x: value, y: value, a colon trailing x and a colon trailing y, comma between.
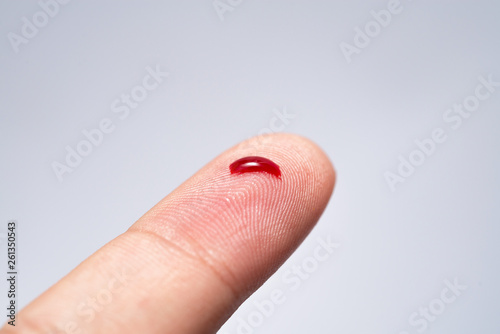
x: 246, y: 225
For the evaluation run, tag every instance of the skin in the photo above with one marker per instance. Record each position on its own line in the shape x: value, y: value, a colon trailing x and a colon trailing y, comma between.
x: 190, y: 261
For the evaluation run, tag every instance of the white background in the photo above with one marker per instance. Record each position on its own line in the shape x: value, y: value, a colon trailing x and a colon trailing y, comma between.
x: 227, y: 77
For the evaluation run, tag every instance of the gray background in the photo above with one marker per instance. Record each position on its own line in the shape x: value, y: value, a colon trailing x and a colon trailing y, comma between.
x: 227, y: 79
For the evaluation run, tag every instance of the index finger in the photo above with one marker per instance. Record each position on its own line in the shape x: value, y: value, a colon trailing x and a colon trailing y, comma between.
x: 191, y: 260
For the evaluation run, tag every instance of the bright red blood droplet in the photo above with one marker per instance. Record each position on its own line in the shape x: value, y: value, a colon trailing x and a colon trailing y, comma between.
x: 255, y: 164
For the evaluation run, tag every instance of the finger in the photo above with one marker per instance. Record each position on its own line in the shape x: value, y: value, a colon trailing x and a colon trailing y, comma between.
x: 190, y: 261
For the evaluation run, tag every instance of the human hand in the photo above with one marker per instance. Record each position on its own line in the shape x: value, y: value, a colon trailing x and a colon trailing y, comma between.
x: 190, y: 261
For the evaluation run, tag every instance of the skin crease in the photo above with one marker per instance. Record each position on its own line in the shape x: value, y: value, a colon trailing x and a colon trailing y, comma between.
x: 190, y: 261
